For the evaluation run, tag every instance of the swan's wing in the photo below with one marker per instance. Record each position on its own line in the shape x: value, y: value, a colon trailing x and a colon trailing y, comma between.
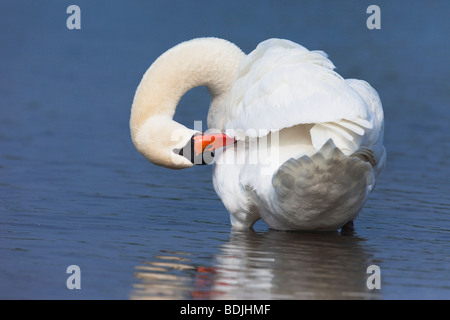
x: 281, y: 84
x: 373, y: 138
x: 360, y: 137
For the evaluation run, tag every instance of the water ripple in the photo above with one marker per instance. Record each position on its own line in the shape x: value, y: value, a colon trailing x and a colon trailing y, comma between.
x: 268, y: 265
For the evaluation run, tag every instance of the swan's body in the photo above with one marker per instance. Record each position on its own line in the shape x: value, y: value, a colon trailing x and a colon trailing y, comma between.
x: 309, y: 143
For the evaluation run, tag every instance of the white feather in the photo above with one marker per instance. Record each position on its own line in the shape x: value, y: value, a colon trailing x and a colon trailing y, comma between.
x: 317, y: 175
x: 282, y: 84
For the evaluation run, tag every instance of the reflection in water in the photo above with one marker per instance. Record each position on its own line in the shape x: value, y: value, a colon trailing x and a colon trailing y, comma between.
x: 164, y: 278
x: 269, y: 265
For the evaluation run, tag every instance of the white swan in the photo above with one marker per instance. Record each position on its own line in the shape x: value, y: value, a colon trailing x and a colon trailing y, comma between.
x: 295, y: 144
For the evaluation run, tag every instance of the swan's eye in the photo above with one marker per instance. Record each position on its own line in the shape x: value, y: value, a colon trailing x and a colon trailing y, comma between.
x: 188, y: 151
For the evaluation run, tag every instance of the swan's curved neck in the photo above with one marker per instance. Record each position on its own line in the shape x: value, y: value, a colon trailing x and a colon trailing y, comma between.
x: 210, y: 62
x: 206, y: 61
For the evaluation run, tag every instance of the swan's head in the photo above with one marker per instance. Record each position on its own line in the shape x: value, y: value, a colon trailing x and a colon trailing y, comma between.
x: 167, y: 143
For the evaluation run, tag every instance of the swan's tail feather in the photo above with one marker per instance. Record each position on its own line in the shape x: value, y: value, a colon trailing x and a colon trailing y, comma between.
x: 323, y: 191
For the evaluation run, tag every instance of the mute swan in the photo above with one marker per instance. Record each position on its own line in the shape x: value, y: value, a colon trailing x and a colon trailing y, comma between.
x: 294, y: 144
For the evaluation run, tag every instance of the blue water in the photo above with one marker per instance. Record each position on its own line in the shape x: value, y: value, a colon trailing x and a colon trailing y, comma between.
x: 74, y: 191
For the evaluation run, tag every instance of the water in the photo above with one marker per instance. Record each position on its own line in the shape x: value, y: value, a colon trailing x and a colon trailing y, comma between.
x: 74, y: 191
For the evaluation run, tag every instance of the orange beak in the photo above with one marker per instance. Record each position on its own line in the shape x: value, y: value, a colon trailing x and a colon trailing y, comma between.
x: 210, y: 142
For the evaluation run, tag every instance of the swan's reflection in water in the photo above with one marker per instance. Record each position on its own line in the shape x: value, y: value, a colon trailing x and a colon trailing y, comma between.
x: 270, y: 265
